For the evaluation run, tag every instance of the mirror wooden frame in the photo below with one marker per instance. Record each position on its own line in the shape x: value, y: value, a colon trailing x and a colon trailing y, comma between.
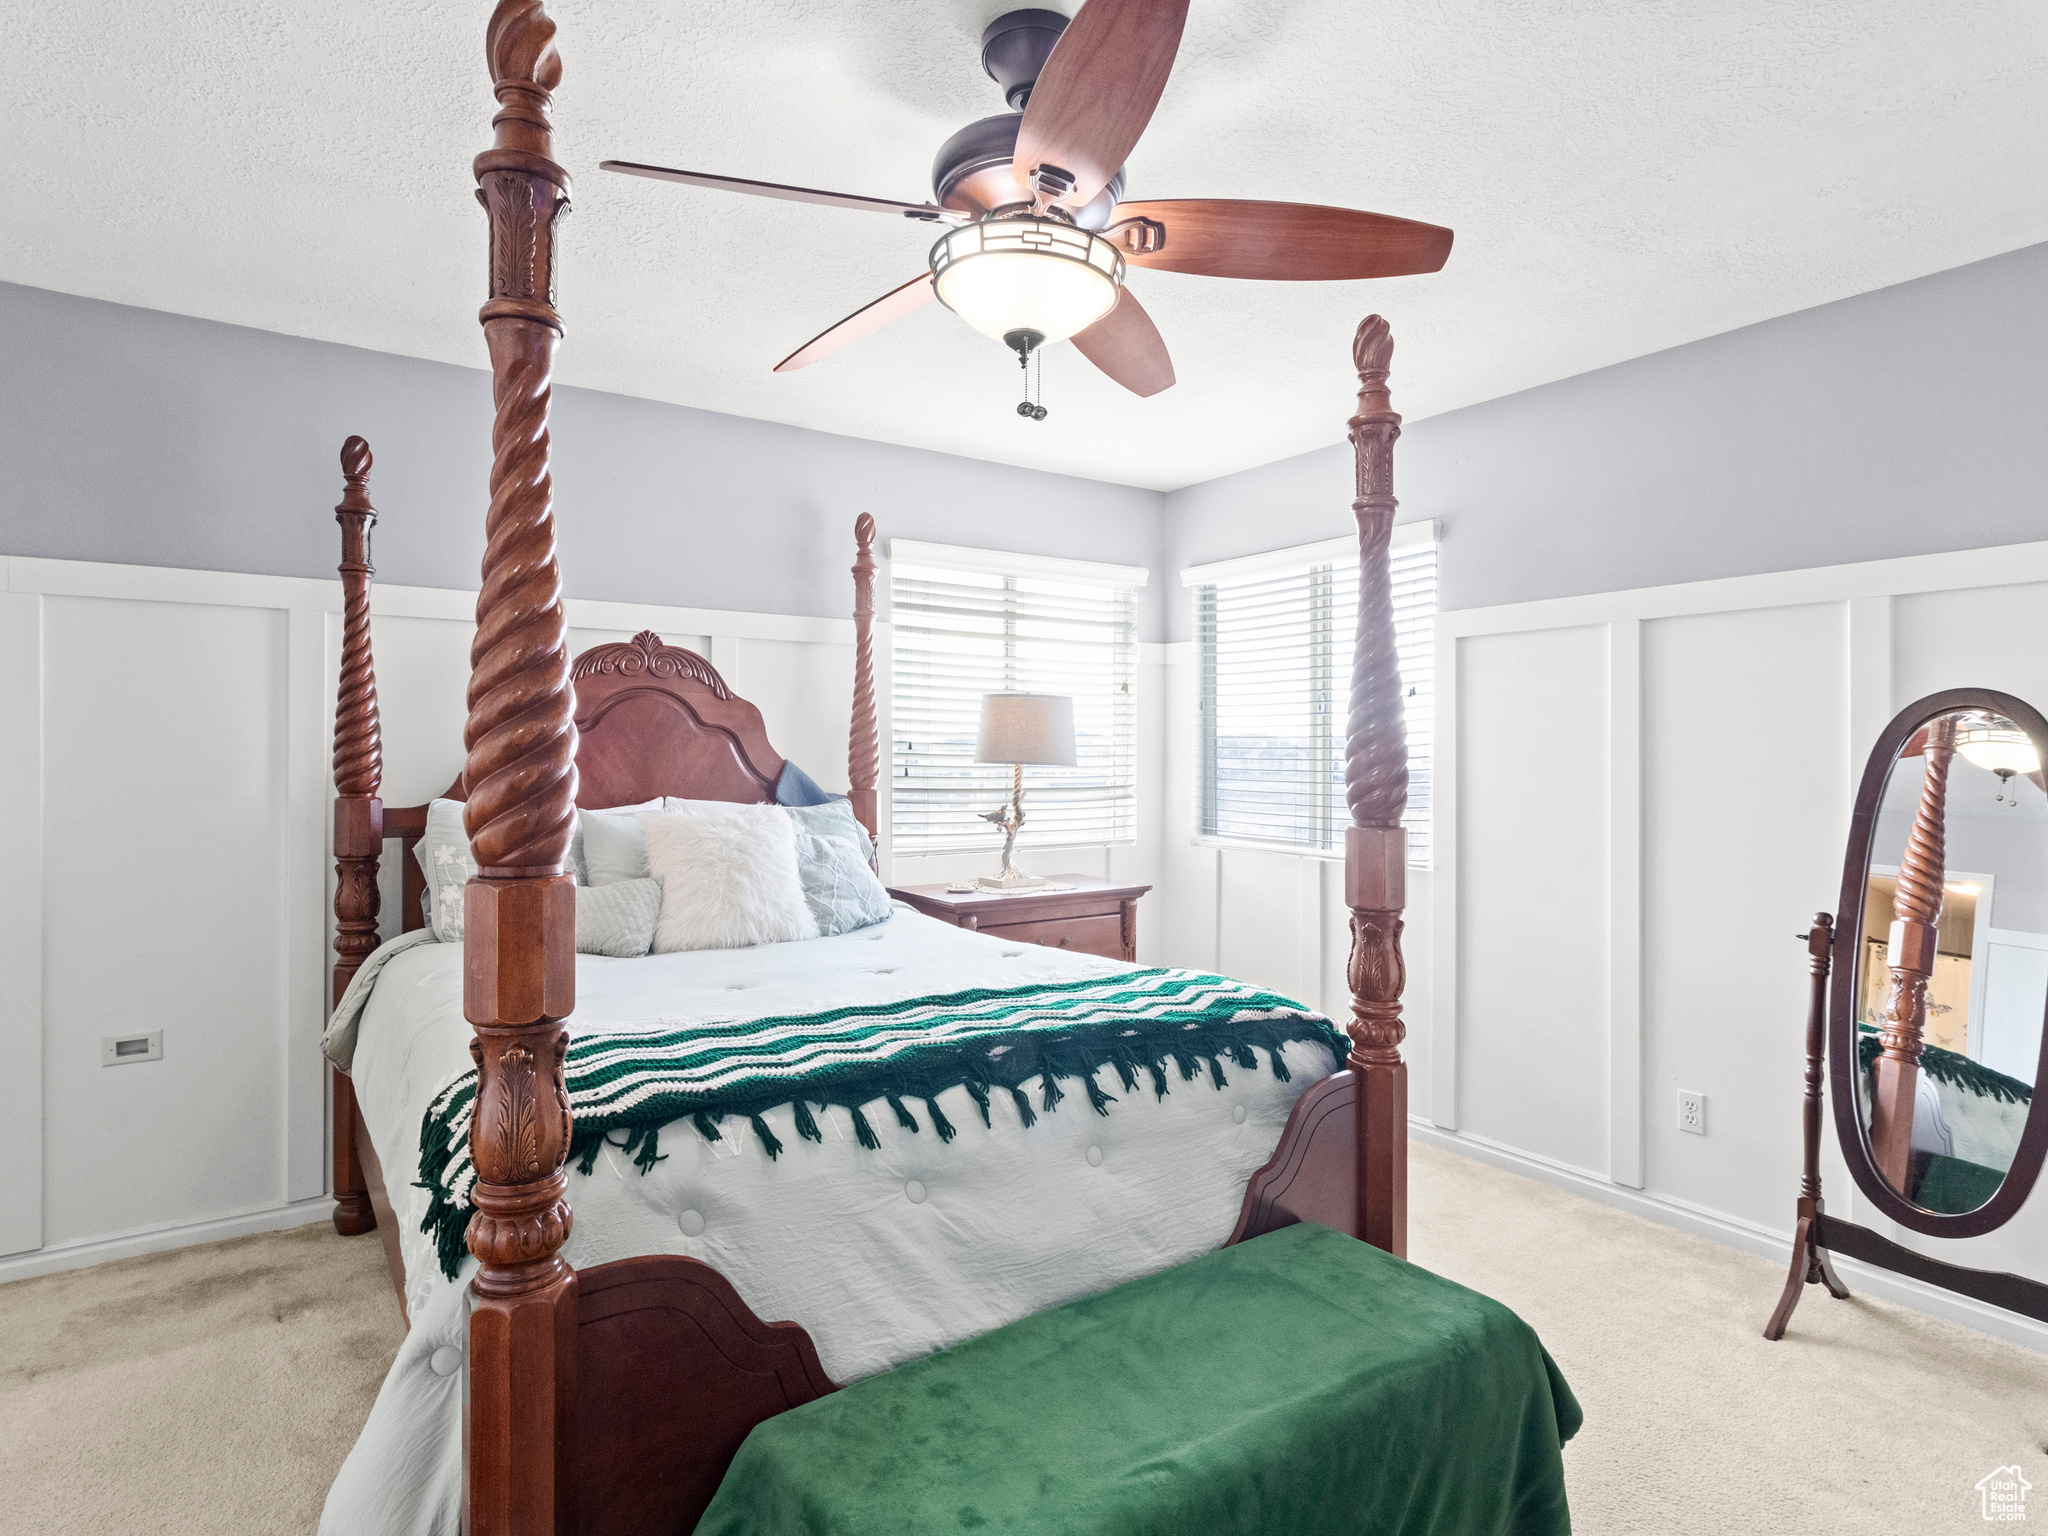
x: 1850, y: 1130
x: 1834, y: 944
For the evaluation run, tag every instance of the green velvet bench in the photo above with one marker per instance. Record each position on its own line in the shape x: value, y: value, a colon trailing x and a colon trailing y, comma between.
x: 1298, y: 1384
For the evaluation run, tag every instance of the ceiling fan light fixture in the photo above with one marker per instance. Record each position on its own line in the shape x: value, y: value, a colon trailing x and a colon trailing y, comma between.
x: 1027, y: 274
x: 1998, y: 748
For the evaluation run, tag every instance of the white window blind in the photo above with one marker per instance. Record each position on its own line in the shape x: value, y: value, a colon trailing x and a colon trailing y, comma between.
x: 1274, y: 637
x: 966, y: 622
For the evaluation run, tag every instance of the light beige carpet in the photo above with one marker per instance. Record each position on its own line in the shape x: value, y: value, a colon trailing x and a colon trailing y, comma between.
x: 208, y: 1390
x: 216, y: 1389
x: 1864, y: 1418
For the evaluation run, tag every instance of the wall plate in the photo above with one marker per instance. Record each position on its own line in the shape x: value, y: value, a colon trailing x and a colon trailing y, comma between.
x: 1692, y: 1112
x: 119, y: 1050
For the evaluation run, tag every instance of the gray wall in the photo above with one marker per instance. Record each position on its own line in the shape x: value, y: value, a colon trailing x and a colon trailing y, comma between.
x: 143, y: 438
x: 1900, y: 422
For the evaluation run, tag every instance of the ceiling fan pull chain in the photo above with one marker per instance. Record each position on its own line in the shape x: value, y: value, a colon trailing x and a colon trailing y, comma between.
x: 1025, y: 408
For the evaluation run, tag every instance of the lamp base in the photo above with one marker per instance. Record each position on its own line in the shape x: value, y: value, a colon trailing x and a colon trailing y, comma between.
x: 1010, y: 881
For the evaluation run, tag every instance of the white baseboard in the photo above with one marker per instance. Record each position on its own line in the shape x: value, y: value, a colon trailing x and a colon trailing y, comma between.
x: 126, y: 1245
x: 1747, y: 1237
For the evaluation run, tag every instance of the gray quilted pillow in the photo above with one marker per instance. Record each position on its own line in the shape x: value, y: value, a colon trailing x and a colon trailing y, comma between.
x: 617, y: 919
x: 832, y: 861
x: 443, y: 853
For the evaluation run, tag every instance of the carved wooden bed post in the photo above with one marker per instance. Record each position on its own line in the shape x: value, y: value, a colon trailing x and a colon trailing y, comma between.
x: 1376, y: 844
x: 863, y: 747
x: 1916, y: 906
x: 519, y: 963
x: 358, y: 813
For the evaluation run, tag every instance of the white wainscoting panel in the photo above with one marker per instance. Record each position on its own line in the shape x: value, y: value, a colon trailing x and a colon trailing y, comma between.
x: 1259, y: 919
x: 1743, y: 712
x: 1985, y: 637
x: 303, y: 875
x: 21, y: 921
x: 805, y: 692
x: 166, y: 808
x: 1644, y: 797
x: 1532, y: 889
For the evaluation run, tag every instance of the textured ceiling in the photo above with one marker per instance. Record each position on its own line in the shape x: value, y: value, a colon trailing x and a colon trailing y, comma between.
x: 1623, y: 175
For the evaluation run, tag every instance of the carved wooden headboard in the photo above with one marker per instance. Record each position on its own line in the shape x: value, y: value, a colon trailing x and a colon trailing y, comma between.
x: 655, y: 719
x: 651, y: 720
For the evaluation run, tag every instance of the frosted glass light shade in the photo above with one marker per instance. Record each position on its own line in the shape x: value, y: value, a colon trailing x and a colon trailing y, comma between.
x: 1004, y: 275
x: 1998, y: 750
x: 1026, y: 728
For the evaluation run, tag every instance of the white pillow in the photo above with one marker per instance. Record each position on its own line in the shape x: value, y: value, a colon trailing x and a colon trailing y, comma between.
x: 728, y: 876
x: 614, y: 847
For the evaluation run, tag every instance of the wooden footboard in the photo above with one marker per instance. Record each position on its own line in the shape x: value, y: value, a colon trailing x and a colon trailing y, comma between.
x: 675, y: 1369
x: 1313, y: 1173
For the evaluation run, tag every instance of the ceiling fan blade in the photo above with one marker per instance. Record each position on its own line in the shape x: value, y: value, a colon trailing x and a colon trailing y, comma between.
x: 1300, y: 242
x: 1125, y: 345
x: 776, y: 189
x: 1096, y: 93
x: 893, y: 305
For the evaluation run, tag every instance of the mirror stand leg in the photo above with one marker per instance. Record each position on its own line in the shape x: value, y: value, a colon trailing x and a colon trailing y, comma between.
x: 1795, y: 1282
x: 1810, y: 1266
x: 1821, y: 1271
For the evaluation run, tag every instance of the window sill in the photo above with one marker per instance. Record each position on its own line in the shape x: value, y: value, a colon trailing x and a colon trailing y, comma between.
x: 1326, y: 855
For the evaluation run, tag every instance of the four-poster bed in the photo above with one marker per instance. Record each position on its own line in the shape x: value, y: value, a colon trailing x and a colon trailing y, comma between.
x: 612, y: 1396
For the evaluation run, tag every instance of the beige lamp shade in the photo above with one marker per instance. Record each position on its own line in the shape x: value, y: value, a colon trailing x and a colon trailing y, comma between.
x: 1026, y: 728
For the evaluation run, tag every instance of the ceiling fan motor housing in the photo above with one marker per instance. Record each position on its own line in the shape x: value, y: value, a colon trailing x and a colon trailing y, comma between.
x: 972, y: 173
x: 972, y: 170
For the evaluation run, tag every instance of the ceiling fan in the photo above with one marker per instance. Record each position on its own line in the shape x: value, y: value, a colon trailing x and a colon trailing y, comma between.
x: 1041, y: 240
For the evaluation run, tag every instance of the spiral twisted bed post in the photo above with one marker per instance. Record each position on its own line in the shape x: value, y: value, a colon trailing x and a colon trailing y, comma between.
x: 519, y: 960
x: 358, y: 812
x: 1376, y: 844
x: 1916, y: 910
x: 863, y: 746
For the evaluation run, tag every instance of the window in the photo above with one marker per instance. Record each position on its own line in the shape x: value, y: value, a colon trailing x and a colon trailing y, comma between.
x: 966, y: 622
x: 1273, y: 635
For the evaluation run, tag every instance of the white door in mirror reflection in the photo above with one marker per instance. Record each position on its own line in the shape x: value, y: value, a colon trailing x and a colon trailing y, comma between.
x: 2015, y: 998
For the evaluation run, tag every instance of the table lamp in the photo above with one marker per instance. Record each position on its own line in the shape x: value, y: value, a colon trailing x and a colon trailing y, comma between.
x: 1020, y: 728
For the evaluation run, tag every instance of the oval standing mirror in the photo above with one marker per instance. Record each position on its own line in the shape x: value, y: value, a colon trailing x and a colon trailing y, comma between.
x: 1941, y: 965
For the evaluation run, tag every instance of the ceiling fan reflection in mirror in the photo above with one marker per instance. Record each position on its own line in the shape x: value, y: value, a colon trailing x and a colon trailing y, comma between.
x: 1041, y: 240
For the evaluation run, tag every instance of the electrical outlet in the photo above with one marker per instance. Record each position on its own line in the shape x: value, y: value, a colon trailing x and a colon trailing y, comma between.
x: 1692, y: 1112
x: 119, y: 1050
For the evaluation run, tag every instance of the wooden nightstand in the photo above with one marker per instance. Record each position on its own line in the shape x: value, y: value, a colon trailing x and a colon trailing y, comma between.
x: 1095, y: 918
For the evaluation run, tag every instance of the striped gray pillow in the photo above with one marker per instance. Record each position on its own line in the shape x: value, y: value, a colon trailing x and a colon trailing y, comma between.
x: 617, y: 919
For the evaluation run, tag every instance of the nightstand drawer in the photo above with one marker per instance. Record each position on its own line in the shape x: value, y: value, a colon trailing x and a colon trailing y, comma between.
x: 1102, y: 935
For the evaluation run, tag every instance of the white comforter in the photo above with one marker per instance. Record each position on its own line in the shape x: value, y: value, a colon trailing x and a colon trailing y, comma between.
x: 882, y: 1255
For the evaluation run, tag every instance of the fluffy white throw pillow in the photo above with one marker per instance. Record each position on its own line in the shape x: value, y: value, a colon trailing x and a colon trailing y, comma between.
x: 728, y: 876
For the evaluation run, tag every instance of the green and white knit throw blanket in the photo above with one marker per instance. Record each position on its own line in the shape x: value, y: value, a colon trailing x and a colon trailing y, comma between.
x: 623, y: 1088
